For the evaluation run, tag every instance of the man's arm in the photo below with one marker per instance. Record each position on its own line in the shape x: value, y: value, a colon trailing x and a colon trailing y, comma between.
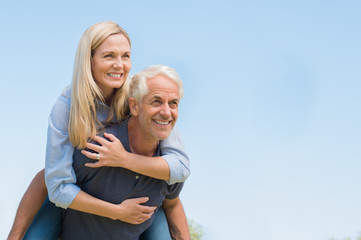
x: 176, y: 219
x: 29, y: 206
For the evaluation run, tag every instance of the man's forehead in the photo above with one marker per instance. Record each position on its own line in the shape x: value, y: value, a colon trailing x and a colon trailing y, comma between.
x: 160, y: 85
x: 160, y: 78
x: 163, y: 95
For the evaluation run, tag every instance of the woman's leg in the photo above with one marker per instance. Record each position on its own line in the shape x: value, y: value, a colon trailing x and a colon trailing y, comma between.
x: 47, y: 223
x: 159, y: 228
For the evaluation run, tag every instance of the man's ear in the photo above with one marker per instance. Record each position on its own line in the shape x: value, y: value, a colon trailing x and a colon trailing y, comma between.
x: 133, y: 106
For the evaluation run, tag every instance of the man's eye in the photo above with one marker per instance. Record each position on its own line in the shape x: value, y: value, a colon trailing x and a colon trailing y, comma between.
x: 156, y: 102
x: 173, y: 105
x: 126, y: 56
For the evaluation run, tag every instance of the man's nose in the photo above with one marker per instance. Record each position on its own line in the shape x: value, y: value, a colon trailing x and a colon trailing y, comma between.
x: 165, y: 111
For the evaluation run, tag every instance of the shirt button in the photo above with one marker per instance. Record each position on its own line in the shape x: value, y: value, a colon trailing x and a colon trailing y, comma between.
x: 137, y: 177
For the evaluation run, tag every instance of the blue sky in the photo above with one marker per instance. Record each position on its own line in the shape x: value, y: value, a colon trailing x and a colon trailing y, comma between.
x: 270, y: 116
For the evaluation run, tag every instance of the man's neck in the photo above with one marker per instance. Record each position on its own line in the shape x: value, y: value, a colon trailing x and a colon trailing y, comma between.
x: 138, y: 142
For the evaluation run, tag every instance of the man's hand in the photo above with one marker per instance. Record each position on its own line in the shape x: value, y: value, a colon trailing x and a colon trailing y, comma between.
x: 131, y: 211
x: 111, y: 152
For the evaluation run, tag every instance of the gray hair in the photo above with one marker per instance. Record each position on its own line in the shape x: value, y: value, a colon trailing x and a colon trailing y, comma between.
x: 138, y: 87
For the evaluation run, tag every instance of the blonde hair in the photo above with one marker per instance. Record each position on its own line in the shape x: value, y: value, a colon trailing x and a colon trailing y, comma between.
x: 83, y: 121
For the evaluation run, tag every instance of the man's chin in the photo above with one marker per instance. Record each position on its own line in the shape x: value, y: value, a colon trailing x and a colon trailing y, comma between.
x: 162, y: 132
x: 163, y: 135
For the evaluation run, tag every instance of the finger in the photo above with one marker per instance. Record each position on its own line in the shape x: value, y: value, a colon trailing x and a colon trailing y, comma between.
x: 89, y: 154
x: 100, y: 140
x: 146, y: 216
x: 94, y: 165
x: 142, y: 220
x: 141, y: 199
x: 110, y: 136
x: 147, y: 209
x: 132, y: 221
x: 93, y: 147
x: 136, y: 222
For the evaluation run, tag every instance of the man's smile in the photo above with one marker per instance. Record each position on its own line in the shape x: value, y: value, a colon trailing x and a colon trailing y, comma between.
x: 162, y: 122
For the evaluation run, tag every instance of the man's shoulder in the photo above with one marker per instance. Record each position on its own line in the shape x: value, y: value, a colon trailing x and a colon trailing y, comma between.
x: 119, y: 130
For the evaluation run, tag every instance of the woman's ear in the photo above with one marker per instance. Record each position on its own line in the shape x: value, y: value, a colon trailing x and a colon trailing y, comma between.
x: 133, y: 106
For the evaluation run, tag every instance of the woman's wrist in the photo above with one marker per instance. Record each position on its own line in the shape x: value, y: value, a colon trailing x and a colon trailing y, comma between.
x: 125, y: 160
x: 117, y: 214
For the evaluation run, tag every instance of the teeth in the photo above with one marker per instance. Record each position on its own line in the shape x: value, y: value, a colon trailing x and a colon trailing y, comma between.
x: 160, y: 122
x: 117, y: 75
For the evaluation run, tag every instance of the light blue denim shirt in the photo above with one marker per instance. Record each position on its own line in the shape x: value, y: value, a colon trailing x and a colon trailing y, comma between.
x: 60, y: 178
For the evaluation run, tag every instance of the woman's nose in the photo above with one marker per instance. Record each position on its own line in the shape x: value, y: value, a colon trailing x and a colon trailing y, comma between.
x: 118, y: 63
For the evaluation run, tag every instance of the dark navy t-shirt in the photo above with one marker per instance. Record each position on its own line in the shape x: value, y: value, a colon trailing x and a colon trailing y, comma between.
x: 114, y: 185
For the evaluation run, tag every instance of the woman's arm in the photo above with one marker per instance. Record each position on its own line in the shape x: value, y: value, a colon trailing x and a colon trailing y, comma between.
x: 60, y: 177
x: 130, y: 210
x: 173, y: 151
x: 173, y: 166
x: 29, y: 206
x: 113, y: 154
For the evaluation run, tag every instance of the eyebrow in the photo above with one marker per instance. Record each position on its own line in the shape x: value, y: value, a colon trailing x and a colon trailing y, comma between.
x: 156, y: 97
x: 106, y: 52
x: 172, y: 100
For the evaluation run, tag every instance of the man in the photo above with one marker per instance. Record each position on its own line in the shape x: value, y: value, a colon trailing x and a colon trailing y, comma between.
x: 154, y: 97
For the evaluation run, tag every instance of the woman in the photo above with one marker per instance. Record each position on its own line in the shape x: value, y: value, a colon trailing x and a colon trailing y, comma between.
x: 98, y: 96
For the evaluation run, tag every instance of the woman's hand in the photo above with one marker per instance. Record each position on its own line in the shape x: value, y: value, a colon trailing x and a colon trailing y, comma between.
x: 111, y: 153
x: 131, y: 211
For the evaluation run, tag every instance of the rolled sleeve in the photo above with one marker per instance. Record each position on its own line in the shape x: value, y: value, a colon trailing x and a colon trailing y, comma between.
x: 60, y: 177
x: 173, y: 152
x: 174, y: 190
